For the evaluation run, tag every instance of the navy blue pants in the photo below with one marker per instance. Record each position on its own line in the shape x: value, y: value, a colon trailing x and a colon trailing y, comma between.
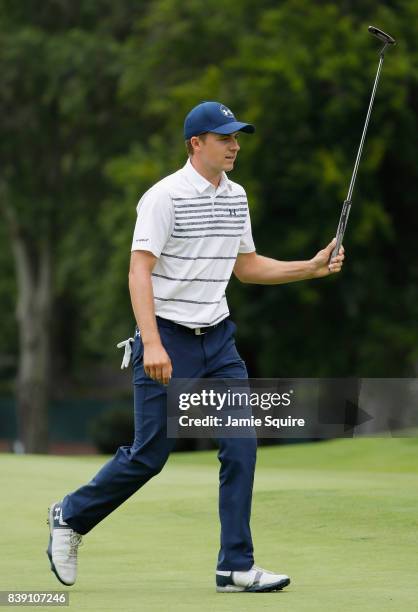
x: 212, y: 355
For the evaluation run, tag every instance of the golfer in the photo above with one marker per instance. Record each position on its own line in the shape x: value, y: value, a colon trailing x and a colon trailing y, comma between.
x: 193, y: 230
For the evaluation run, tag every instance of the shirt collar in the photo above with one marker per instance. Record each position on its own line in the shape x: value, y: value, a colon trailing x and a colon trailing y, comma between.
x: 200, y: 183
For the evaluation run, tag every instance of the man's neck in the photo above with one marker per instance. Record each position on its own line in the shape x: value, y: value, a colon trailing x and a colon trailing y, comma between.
x: 211, y: 176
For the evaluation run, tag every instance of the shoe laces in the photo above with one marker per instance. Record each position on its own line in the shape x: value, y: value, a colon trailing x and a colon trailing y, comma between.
x: 75, y: 542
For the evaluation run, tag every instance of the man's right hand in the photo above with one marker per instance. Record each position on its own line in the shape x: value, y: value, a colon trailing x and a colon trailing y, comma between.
x: 157, y: 363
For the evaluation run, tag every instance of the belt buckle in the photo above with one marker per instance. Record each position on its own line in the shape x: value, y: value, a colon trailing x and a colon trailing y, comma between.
x: 198, y: 331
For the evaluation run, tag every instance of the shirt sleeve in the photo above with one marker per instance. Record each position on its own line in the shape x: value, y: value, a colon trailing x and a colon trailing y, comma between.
x: 154, y: 222
x: 246, y: 244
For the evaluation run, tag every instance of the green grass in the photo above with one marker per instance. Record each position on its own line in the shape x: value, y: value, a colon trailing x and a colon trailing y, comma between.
x: 339, y: 517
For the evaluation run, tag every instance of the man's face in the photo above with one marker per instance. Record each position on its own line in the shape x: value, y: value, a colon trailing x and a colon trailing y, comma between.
x: 217, y: 152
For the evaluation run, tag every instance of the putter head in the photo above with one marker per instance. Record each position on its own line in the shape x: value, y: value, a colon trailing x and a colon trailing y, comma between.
x: 386, y: 38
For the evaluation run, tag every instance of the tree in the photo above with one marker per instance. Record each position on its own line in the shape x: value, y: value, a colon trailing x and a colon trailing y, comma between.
x: 302, y: 72
x: 60, y: 65
x: 92, y: 99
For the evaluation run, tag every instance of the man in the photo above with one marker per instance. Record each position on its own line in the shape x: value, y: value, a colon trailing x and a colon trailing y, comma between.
x: 193, y: 230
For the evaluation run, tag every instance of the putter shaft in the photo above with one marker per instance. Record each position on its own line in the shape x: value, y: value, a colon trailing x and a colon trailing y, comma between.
x: 347, y: 202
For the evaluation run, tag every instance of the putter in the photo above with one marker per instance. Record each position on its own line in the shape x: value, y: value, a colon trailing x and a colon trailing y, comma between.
x: 387, y: 40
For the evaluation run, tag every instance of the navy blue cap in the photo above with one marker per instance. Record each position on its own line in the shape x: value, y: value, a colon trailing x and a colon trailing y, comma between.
x: 213, y: 117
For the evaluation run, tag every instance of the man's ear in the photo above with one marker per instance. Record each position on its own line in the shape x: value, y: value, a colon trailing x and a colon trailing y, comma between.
x: 195, y: 142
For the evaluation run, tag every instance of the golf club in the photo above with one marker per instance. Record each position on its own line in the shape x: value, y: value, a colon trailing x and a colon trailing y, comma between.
x: 387, y: 40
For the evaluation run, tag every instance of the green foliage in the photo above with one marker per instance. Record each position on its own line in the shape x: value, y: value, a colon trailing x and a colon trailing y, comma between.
x: 112, y: 429
x: 8, y: 327
x: 92, y: 101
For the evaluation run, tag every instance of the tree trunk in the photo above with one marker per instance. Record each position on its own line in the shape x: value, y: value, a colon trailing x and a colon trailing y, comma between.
x: 34, y: 282
x: 33, y: 314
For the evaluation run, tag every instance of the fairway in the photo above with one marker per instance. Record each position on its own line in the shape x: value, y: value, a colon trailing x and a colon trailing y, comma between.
x: 339, y: 517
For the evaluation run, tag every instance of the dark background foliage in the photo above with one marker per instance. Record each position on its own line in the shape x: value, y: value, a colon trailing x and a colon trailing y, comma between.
x: 92, y: 99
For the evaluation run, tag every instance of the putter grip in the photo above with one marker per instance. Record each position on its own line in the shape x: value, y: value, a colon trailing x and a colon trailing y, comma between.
x: 341, y: 227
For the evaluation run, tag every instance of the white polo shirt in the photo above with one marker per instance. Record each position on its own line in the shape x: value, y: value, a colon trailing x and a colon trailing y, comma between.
x: 196, y: 231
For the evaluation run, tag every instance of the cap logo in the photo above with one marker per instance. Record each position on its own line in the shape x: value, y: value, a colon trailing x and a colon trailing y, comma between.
x: 226, y: 111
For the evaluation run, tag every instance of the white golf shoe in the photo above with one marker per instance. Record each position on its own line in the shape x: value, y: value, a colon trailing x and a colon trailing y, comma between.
x: 255, y: 580
x: 63, y: 546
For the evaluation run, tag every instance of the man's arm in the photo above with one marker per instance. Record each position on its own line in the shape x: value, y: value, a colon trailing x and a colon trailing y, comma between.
x: 254, y: 268
x: 157, y: 363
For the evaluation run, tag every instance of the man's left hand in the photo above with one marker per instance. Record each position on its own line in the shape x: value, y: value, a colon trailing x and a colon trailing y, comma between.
x: 322, y: 266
